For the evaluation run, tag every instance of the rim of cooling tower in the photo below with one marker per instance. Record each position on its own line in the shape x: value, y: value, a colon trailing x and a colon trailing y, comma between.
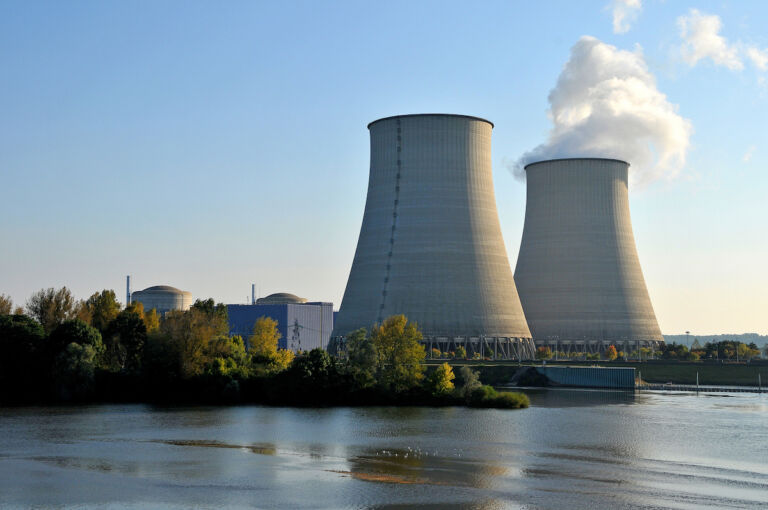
x: 431, y: 115
x: 575, y: 159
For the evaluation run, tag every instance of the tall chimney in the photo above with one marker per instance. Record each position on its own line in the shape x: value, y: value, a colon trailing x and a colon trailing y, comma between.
x: 127, y: 290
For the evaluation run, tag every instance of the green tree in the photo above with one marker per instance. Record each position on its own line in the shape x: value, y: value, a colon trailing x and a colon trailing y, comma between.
x: 362, y: 358
x: 471, y: 382
x: 6, y: 304
x: 124, y: 340
x: 461, y: 352
x: 52, y: 307
x: 21, y: 369
x: 75, y: 331
x: 441, y: 380
x: 400, y: 354
x: 210, y: 308
x: 610, y: 353
x: 315, y: 367
x: 73, y: 371
x: 74, y: 347
x: 102, y: 308
x: 229, y: 357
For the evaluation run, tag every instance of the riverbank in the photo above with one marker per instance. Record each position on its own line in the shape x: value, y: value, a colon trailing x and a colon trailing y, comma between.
x: 281, y: 390
x: 657, y: 372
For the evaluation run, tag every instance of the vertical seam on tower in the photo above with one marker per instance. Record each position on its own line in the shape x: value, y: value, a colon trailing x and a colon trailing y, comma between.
x: 388, y: 267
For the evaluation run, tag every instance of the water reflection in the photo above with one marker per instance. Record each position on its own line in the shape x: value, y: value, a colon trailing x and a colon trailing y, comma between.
x: 416, y: 466
x: 571, y: 449
x: 558, y: 397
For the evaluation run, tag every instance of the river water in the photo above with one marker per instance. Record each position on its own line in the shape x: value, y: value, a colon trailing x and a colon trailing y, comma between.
x: 571, y: 449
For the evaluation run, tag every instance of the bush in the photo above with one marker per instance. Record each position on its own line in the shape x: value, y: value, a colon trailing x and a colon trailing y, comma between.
x: 471, y: 382
x: 487, y: 396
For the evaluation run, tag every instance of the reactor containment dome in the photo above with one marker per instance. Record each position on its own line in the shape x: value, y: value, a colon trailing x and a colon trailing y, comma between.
x: 578, y: 273
x: 163, y: 298
x: 430, y: 244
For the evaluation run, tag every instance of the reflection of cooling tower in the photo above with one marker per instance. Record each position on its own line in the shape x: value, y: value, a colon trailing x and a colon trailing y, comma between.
x: 430, y: 245
x: 578, y: 273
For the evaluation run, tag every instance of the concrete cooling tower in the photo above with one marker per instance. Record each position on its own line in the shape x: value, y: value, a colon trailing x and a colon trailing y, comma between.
x: 577, y: 273
x: 430, y: 244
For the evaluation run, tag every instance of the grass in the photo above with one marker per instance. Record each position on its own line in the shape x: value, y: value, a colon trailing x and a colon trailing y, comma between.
x: 685, y: 373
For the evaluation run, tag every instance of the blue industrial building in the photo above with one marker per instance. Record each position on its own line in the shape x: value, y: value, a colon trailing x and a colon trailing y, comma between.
x: 303, y: 325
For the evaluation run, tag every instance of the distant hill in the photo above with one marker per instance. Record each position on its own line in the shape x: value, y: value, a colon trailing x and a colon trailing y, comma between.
x: 760, y: 340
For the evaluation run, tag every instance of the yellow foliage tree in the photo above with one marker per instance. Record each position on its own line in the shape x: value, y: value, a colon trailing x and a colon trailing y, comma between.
x: 611, y: 353
x: 190, y: 333
x: 263, y: 341
x: 263, y: 346
x: 151, y: 318
x: 400, y: 355
x: 441, y: 380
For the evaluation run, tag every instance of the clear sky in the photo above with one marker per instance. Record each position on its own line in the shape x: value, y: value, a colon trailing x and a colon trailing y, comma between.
x: 208, y: 145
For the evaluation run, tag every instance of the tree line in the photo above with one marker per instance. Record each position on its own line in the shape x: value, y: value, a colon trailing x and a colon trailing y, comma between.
x: 714, y: 351
x: 59, y: 349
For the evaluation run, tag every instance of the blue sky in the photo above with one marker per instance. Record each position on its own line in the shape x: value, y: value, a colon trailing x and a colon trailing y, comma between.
x: 209, y: 145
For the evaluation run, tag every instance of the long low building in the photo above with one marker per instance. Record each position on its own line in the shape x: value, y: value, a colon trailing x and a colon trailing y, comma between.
x: 303, y: 325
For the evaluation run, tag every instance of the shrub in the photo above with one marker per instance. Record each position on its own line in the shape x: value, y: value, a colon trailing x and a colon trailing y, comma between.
x: 471, y: 380
x: 487, y: 396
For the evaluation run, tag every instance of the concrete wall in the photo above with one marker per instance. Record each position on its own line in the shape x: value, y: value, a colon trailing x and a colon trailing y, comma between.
x: 578, y: 273
x: 590, y: 377
x: 304, y: 326
x: 430, y: 245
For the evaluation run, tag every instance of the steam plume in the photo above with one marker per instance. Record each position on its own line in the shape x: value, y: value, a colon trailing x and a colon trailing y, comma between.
x: 606, y: 104
x: 625, y: 13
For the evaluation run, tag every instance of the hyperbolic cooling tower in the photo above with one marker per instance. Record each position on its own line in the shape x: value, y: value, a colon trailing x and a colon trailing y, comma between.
x: 577, y: 273
x: 430, y: 245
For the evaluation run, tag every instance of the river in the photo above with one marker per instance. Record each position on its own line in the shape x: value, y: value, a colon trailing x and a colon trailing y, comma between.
x: 571, y: 449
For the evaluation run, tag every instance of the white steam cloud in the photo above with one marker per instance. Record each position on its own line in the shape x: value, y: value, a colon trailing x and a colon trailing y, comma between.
x: 606, y: 104
x: 625, y: 13
x: 758, y: 57
x: 701, y: 40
